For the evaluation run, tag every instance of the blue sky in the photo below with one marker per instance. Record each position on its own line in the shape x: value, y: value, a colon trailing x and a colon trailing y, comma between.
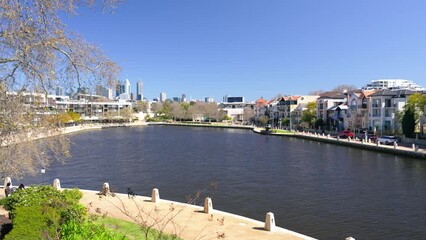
x: 256, y: 48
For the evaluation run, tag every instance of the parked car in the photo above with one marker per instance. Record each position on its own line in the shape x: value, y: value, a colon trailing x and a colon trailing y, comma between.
x: 346, y: 134
x: 371, y: 137
x: 387, y: 140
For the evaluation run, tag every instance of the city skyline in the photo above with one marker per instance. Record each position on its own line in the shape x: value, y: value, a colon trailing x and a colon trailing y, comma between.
x: 259, y: 49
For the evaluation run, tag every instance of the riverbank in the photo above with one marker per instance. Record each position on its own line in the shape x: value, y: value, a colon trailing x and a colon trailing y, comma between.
x: 89, y: 127
x: 184, y: 220
x: 208, y: 125
x: 391, y: 149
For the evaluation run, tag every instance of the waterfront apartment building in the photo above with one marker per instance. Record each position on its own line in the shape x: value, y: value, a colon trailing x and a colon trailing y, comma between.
x: 92, y: 107
x: 331, y: 108
x: 292, y: 107
x: 358, y: 109
x: 238, y: 110
x: 384, y: 105
x: 393, y: 84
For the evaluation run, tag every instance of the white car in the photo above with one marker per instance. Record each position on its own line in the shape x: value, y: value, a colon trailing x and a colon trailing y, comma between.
x: 387, y: 140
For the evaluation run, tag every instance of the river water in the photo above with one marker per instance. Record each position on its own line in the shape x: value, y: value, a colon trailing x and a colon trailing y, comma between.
x: 321, y: 190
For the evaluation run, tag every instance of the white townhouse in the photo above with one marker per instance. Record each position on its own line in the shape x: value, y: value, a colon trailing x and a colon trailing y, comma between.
x: 331, y: 108
x: 384, y: 105
x: 292, y: 107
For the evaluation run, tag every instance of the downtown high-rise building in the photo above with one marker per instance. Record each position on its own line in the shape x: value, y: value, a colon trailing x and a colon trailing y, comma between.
x: 139, y: 90
x: 183, y: 99
x: 127, y: 87
x: 104, y: 91
x: 59, y: 91
x: 163, y: 96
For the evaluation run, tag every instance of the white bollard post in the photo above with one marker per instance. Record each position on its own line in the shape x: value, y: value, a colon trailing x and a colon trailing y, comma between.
x: 7, y: 180
x: 270, y: 222
x: 57, y: 184
x: 155, y: 196
x: 208, y: 205
x: 414, y: 147
x: 395, y: 145
x: 105, y: 189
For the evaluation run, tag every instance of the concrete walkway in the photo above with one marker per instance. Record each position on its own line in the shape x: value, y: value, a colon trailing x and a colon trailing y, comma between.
x: 184, y: 220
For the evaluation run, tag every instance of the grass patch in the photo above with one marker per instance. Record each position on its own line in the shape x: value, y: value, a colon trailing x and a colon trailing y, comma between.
x: 282, y: 131
x: 132, y: 230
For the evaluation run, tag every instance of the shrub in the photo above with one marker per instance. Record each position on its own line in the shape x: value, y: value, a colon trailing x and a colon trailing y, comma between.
x: 34, y: 223
x: 46, y: 196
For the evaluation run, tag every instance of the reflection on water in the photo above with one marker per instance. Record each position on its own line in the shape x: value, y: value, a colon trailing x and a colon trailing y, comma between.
x: 321, y: 190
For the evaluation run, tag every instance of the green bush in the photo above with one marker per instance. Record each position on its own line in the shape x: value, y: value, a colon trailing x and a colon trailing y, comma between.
x: 88, y: 230
x: 46, y: 196
x: 34, y: 223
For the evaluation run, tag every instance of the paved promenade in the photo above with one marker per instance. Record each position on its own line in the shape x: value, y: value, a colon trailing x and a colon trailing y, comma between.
x: 184, y: 220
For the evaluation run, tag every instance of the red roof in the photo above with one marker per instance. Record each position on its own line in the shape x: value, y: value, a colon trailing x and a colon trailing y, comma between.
x: 260, y: 102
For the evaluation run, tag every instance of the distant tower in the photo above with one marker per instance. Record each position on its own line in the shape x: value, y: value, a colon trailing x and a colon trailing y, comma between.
x: 127, y: 87
x: 183, y: 99
x: 139, y: 90
x: 163, y: 96
x: 225, y: 98
x: 59, y: 91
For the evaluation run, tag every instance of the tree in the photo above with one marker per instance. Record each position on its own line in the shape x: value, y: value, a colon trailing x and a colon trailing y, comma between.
x: 141, y: 106
x: 264, y: 120
x: 344, y: 87
x: 157, y: 108
x: 319, y: 123
x: 177, y: 111
x: 417, y: 103
x: 37, y: 54
x: 408, y: 123
x: 309, y: 116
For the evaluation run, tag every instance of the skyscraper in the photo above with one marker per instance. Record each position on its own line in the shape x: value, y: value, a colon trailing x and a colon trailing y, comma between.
x: 127, y: 87
x: 139, y: 90
x: 183, y: 99
x: 59, y: 91
x: 163, y: 96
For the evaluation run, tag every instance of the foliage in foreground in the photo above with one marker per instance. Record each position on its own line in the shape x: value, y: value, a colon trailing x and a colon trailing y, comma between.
x: 88, y: 230
x: 43, y: 212
x: 39, y: 212
x: 132, y: 230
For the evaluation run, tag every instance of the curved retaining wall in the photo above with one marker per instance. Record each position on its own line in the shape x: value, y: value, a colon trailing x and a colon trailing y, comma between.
x: 184, y: 220
x: 399, y: 150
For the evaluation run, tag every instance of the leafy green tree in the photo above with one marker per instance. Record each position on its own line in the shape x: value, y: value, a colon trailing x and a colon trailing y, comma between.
x: 286, y: 122
x: 417, y: 103
x: 76, y: 117
x: 408, y: 123
x: 309, y: 115
x: 319, y: 123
